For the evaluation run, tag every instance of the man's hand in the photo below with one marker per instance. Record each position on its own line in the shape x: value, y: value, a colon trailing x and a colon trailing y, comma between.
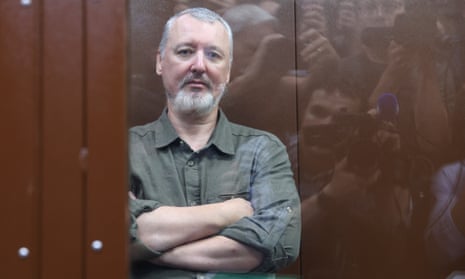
x: 314, y: 16
x: 346, y: 185
x: 347, y: 17
x: 318, y: 52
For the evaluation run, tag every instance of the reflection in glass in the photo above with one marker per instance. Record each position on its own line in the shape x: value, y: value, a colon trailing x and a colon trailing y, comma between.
x: 381, y: 81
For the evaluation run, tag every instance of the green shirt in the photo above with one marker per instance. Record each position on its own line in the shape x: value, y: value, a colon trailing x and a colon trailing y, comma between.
x: 236, y: 162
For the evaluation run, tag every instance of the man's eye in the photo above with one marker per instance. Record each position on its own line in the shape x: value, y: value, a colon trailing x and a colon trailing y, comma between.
x: 213, y: 55
x: 184, y: 52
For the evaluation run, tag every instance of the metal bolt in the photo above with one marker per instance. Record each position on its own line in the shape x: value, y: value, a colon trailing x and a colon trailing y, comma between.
x: 23, y: 252
x: 26, y: 2
x: 97, y: 245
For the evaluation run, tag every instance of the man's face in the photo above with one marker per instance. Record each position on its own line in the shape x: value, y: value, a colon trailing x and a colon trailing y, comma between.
x: 320, y: 137
x: 195, y: 65
x: 379, y: 13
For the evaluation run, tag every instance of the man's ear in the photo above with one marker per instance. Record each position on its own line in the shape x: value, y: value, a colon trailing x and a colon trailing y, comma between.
x: 158, y: 68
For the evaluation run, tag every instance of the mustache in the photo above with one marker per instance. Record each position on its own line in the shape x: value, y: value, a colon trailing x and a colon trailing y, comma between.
x: 197, y: 79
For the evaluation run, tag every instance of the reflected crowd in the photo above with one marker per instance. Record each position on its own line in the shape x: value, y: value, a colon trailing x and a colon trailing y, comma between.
x: 369, y: 98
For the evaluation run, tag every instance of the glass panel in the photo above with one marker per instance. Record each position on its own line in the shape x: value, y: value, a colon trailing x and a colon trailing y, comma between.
x: 381, y: 113
x: 367, y: 96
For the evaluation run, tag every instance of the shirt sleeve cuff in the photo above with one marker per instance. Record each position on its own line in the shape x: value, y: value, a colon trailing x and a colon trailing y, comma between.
x: 138, y: 251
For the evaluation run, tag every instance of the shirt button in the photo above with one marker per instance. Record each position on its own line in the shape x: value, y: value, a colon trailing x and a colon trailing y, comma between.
x: 190, y: 163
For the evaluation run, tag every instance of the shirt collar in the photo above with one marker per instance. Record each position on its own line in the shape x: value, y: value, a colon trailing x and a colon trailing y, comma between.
x: 221, y: 137
x: 165, y: 132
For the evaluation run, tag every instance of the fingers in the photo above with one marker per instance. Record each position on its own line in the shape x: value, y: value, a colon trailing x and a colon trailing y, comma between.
x: 316, y: 46
x: 347, y: 16
x: 314, y: 17
x: 315, y: 20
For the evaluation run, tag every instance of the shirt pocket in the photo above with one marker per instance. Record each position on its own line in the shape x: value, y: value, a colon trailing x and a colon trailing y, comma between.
x: 227, y: 186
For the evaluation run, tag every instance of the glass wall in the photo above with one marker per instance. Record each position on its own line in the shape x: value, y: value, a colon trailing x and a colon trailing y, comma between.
x: 368, y: 96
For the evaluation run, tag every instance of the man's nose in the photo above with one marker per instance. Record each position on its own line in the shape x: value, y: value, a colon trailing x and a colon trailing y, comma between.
x: 198, y: 63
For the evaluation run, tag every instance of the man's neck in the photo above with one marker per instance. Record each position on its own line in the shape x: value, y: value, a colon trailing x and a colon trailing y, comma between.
x: 193, y: 129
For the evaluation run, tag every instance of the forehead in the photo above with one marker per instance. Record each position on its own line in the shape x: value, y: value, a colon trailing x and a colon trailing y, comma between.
x: 189, y: 30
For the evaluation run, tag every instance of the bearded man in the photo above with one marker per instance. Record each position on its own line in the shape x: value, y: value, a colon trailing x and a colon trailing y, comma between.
x: 206, y: 195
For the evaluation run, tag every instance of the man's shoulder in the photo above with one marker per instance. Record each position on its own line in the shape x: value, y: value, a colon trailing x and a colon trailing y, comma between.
x: 246, y: 132
x: 143, y: 129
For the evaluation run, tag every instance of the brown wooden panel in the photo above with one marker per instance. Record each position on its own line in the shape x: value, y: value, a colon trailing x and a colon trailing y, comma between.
x: 62, y: 130
x: 106, y: 193
x: 19, y: 153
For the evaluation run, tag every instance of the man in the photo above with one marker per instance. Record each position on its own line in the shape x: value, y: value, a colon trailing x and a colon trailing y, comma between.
x: 207, y: 195
x: 355, y: 211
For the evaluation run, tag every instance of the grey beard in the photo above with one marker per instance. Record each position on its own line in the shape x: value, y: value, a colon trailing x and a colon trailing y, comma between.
x: 200, y: 105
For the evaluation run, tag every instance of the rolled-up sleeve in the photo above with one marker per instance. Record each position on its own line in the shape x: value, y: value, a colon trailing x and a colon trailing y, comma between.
x: 275, y: 227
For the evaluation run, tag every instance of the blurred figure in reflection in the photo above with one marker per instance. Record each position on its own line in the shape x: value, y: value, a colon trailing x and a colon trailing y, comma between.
x: 326, y: 102
x: 375, y: 21
x: 403, y: 54
x: 379, y: 13
x: 316, y: 53
x: 355, y: 191
x: 445, y: 237
x: 264, y: 70
x: 425, y: 73
x: 345, y: 30
x: 262, y: 58
x: 326, y: 32
x: 335, y: 20
x: 251, y: 25
x: 451, y: 69
x: 426, y: 70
